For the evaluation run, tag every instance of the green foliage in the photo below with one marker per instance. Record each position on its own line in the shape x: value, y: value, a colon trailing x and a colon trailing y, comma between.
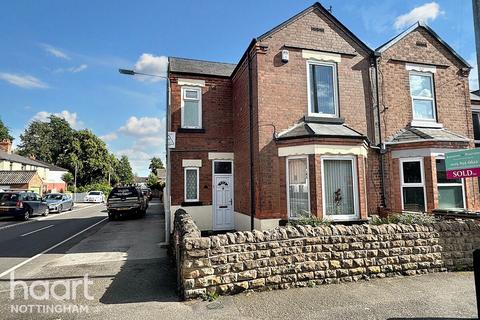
x: 404, y: 218
x: 124, y: 171
x: 210, y: 296
x: 155, y: 163
x: 153, y: 182
x: 98, y: 186
x: 68, y: 178
x: 4, y: 132
x: 309, y: 219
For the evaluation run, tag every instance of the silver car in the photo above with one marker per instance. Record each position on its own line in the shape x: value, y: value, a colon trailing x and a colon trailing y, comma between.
x: 58, y: 202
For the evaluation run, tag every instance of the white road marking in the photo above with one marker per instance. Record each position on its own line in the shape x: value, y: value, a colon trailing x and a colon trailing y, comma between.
x: 49, y: 249
x: 47, y: 217
x: 26, y: 234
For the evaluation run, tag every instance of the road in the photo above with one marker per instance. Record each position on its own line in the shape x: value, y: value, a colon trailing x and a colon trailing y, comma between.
x: 22, y: 242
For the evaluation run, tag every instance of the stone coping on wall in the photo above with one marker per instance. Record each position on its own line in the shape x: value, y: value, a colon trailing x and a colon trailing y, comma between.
x: 296, y: 256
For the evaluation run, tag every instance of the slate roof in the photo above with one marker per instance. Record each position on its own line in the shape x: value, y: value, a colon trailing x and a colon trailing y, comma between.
x: 191, y: 66
x: 412, y: 28
x: 16, y: 158
x: 16, y: 177
x: 475, y: 95
x: 52, y: 167
x: 304, y: 129
x: 422, y: 134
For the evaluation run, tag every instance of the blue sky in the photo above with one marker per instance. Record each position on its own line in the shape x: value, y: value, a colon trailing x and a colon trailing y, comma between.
x: 62, y: 57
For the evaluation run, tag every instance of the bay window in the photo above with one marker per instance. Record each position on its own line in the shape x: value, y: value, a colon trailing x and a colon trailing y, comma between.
x: 191, y: 107
x: 298, y: 196
x: 422, y: 95
x: 412, y: 184
x: 322, y: 89
x: 450, y: 191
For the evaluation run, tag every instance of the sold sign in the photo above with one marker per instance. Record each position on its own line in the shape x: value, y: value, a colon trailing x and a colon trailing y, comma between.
x: 463, y: 164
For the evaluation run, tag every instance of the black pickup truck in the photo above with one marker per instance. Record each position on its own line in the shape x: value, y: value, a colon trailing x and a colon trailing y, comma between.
x: 126, y: 201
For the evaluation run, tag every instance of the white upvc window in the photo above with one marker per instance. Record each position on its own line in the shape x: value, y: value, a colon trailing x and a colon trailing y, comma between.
x: 451, y: 192
x: 191, y: 107
x: 298, y: 187
x: 423, y: 96
x: 322, y: 89
x: 412, y: 180
x: 191, y: 184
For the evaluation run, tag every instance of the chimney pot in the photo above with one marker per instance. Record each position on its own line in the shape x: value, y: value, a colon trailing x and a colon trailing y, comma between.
x: 6, y: 145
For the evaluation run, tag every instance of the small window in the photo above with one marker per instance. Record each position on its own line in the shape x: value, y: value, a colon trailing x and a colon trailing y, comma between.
x: 191, y: 184
x: 322, y: 88
x: 476, y: 128
x: 421, y: 91
x: 450, y: 191
x: 191, y: 108
x: 412, y: 184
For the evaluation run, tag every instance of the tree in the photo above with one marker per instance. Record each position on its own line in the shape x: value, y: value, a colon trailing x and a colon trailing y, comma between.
x: 124, y: 171
x: 68, y: 178
x: 4, y: 132
x: 155, y: 163
x: 153, y: 181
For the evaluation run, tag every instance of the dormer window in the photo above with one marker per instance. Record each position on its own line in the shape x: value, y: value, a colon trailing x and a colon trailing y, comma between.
x: 322, y: 89
x: 191, y: 107
x: 421, y: 92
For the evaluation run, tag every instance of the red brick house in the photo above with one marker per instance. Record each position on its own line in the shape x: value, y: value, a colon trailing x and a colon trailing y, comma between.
x: 295, y: 128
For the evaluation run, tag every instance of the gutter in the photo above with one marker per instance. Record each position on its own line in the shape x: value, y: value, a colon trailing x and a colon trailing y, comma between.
x: 376, y: 55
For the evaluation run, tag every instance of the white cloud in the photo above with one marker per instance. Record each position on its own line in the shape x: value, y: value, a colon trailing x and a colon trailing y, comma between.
x: 70, y: 117
x: 23, y: 81
x: 109, y: 137
x: 72, y: 69
x: 473, y: 77
x: 426, y: 12
x: 143, y: 126
x: 55, y: 52
x: 154, y: 65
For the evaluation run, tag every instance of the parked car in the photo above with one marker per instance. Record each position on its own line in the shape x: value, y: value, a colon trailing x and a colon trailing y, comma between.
x: 95, y: 196
x: 126, y: 201
x: 22, y: 205
x: 58, y: 202
x: 147, y: 192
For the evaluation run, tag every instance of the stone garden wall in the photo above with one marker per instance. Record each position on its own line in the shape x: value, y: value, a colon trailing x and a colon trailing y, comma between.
x: 306, y: 256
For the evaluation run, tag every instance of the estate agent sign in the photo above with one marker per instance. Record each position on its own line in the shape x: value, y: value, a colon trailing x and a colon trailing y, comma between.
x: 463, y: 164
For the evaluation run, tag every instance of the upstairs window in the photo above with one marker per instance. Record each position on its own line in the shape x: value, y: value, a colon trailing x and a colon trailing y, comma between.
x: 476, y: 128
x: 191, y: 107
x: 322, y: 89
x: 421, y: 92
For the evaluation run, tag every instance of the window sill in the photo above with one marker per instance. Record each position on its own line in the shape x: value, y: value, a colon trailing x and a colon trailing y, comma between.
x: 190, y: 130
x: 426, y: 124
x: 316, y: 119
x: 191, y: 203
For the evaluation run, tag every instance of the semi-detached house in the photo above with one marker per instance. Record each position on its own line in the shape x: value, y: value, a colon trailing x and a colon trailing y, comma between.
x: 312, y: 121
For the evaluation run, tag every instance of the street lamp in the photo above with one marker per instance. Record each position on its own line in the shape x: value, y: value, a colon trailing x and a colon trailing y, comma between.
x: 133, y: 72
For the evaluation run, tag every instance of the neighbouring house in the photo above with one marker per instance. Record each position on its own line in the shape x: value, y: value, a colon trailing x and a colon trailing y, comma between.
x: 162, y: 175
x: 54, y: 179
x: 10, y: 161
x: 313, y: 121
x: 23, y: 180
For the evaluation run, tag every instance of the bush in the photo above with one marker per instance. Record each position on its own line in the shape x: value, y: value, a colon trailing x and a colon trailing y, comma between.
x: 404, y: 218
x: 309, y: 219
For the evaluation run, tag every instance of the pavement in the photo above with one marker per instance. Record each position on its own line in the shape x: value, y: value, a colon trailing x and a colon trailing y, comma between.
x: 133, y: 278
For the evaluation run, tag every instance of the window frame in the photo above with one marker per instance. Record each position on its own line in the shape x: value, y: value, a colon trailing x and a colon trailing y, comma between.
x: 356, y: 191
x: 404, y: 184
x: 185, y: 184
x: 335, y: 89
x: 413, y: 98
x: 477, y: 115
x: 183, y: 91
x: 290, y: 217
x: 453, y: 184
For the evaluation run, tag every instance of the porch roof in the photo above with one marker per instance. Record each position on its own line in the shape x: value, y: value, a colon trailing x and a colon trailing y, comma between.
x: 16, y: 177
x: 305, y: 130
x: 413, y: 134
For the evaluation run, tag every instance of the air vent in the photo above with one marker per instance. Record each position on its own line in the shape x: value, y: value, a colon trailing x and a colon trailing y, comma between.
x: 421, y: 44
x: 317, y: 29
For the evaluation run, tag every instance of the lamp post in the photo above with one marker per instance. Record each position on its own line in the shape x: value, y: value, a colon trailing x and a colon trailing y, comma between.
x: 130, y: 72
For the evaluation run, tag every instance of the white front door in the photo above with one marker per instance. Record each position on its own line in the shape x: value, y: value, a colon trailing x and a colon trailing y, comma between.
x: 223, y: 195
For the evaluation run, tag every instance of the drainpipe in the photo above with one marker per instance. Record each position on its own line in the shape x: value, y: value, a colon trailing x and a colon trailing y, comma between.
x: 250, y: 102
x: 382, y: 147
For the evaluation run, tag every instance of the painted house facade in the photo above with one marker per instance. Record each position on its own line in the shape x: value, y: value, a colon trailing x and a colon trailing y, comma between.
x: 313, y: 121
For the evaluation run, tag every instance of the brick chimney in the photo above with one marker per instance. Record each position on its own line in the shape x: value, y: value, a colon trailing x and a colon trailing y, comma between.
x: 6, y: 145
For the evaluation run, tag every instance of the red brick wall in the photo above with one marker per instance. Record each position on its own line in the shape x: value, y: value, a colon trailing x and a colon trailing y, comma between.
x: 451, y: 87
x: 217, y: 120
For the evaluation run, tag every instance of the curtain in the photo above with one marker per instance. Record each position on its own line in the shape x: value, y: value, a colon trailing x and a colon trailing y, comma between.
x: 339, y: 193
x: 190, y: 113
x: 298, y: 187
